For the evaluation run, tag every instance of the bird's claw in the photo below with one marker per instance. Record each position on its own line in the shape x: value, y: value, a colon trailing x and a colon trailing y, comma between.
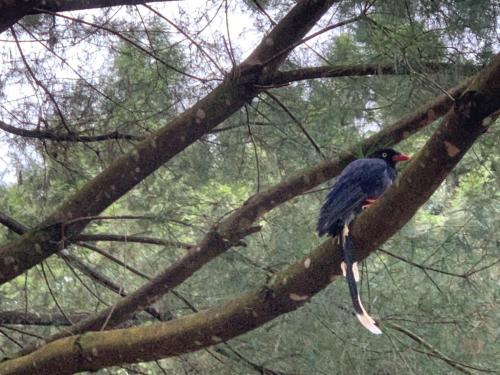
x: 368, y: 203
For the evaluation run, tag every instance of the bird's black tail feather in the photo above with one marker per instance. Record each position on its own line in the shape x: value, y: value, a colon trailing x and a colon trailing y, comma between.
x: 366, y: 320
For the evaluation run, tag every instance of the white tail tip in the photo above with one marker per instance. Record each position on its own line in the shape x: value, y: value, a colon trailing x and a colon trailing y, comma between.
x: 367, y: 321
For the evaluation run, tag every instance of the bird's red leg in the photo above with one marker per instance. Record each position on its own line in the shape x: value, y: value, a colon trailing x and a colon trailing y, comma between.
x: 368, y: 203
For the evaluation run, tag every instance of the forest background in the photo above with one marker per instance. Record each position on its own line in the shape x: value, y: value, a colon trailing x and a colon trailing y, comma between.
x: 164, y: 164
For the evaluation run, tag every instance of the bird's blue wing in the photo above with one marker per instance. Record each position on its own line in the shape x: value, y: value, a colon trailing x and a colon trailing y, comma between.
x: 360, y: 180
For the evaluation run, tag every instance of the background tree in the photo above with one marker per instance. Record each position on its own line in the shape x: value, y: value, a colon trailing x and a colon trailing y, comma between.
x: 159, y: 165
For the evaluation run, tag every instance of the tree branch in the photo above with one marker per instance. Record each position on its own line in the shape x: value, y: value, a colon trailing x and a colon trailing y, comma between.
x: 291, y: 288
x: 13, y: 11
x: 19, y: 228
x: 129, y: 170
x: 101, y: 279
x: 39, y: 319
x: 234, y: 227
x: 354, y: 70
x: 132, y: 239
x: 12, y: 224
x: 70, y: 137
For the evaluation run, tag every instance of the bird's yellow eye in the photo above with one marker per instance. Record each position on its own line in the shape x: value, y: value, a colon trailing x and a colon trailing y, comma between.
x: 384, y: 154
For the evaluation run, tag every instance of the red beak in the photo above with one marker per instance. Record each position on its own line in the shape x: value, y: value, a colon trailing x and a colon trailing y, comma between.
x: 401, y: 157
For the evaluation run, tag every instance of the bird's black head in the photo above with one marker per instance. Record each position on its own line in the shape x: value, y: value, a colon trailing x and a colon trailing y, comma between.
x: 390, y: 156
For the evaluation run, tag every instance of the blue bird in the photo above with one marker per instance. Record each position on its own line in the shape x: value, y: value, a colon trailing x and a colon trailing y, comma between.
x: 356, y: 188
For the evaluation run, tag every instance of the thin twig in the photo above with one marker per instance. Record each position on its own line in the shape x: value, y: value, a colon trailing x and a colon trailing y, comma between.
x: 180, y: 30
x: 299, y: 124
x: 422, y: 267
x: 11, y: 339
x: 257, y: 164
x: 314, y: 35
x: 434, y: 352
x: 128, y: 40
x: 75, y: 71
x: 59, y: 307
x: 39, y: 83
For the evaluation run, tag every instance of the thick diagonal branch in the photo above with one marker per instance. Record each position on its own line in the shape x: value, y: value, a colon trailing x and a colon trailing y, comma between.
x: 289, y: 289
x: 126, y: 172
x: 234, y: 227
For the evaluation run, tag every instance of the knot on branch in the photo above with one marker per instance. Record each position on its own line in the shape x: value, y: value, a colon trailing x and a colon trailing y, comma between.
x: 244, y: 77
x: 234, y: 237
x: 53, y: 232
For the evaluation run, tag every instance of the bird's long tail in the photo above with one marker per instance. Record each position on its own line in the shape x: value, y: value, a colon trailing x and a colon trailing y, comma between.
x: 351, y: 274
